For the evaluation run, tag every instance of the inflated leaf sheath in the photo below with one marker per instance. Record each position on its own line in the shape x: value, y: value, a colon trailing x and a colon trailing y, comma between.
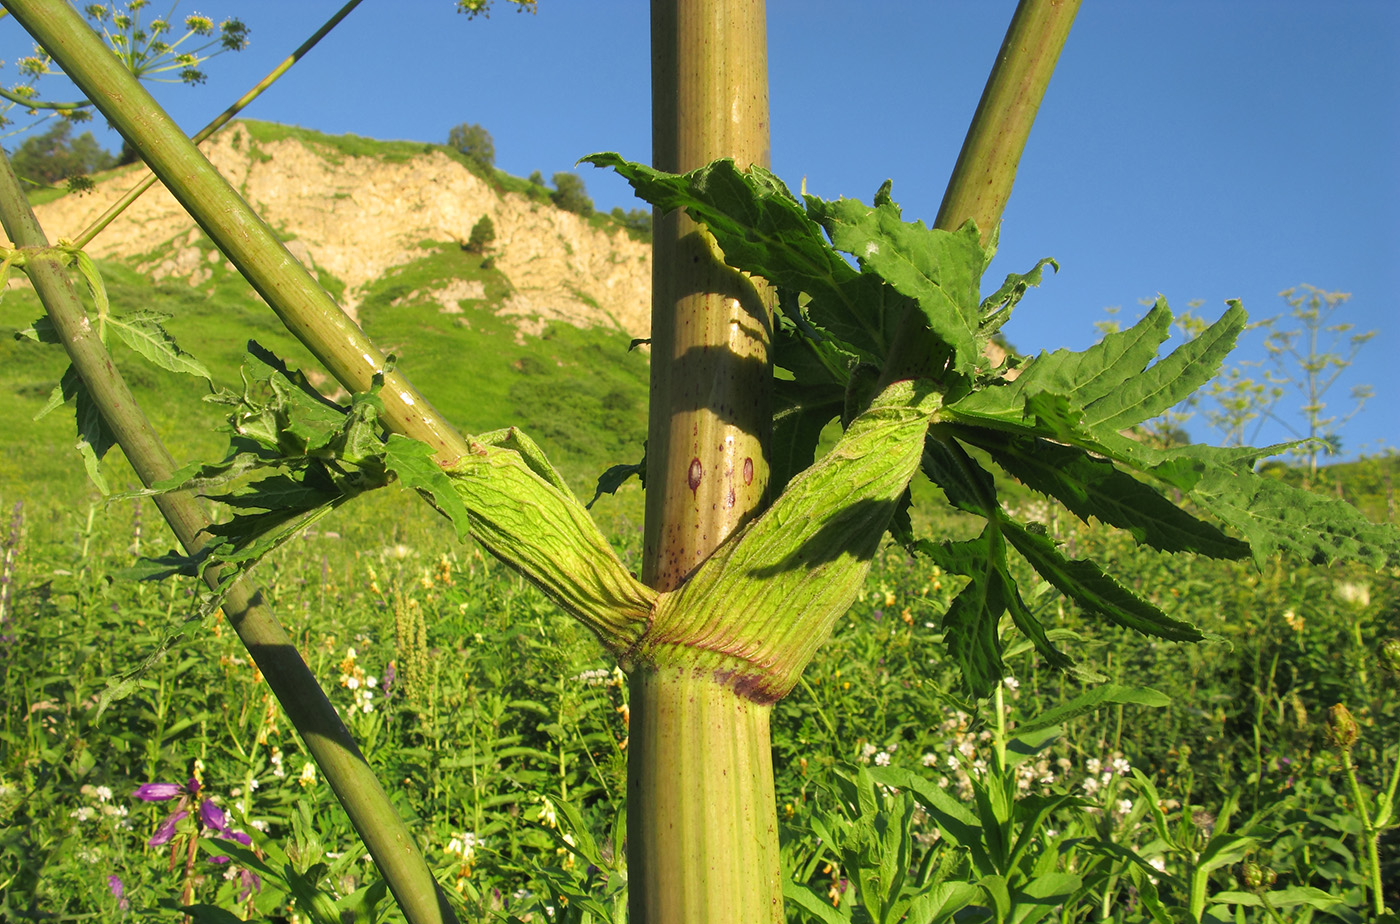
x: 755, y: 612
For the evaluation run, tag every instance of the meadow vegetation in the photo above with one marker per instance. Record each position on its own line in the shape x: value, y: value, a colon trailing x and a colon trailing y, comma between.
x: 500, y: 727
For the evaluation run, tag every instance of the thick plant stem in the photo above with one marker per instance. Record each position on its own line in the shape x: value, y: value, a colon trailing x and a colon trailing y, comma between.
x: 702, y: 820
x: 986, y: 167
x: 304, y: 307
x: 707, y: 469
x: 701, y: 826
x: 389, y: 841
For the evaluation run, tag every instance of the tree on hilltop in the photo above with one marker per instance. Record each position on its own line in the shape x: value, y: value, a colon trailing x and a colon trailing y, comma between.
x: 474, y: 142
x: 56, y: 155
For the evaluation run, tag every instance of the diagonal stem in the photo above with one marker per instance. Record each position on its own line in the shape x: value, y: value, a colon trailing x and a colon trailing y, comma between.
x: 253, y: 247
x: 389, y: 841
x: 106, y: 218
x: 991, y: 153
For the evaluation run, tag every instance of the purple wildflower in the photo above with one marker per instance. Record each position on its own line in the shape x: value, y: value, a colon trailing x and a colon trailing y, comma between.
x: 118, y: 892
x: 251, y: 881
x: 210, y: 815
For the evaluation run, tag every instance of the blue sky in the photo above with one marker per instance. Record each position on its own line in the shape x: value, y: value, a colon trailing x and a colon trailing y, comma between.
x: 1200, y: 150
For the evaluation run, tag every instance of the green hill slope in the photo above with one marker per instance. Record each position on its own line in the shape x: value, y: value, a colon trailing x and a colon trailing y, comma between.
x: 453, y: 318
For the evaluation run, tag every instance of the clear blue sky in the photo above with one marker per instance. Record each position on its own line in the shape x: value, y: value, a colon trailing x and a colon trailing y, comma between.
x: 1201, y: 150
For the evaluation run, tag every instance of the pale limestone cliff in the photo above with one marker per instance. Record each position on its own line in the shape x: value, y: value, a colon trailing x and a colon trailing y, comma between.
x: 356, y: 217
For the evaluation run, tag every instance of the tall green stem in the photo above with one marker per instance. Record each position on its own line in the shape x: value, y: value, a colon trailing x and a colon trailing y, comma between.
x: 707, y: 469
x: 389, y: 841
x: 702, y: 826
x: 702, y: 820
x: 1370, y: 835
x: 991, y: 153
x: 985, y: 171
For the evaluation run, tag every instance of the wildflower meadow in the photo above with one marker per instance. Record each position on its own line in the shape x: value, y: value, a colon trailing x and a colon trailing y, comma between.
x: 904, y: 627
x: 1179, y: 774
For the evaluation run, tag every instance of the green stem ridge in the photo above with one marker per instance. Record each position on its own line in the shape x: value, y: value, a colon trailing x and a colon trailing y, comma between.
x: 700, y: 777
x: 389, y: 841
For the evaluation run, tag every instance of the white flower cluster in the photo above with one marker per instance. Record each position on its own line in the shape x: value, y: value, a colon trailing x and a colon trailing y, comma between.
x: 602, y: 677
x: 1101, y: 776
x: 354, y: 679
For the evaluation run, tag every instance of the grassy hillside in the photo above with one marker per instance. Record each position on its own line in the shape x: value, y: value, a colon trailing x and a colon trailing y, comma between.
x: 474, y: 366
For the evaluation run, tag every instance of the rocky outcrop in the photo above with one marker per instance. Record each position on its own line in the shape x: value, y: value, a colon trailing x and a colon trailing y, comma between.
x: 355, y: 217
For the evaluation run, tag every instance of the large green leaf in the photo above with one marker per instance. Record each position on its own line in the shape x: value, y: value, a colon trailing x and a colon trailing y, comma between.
x: 1085, y: 583
x: 1093, y: 487
x: 1170, y: 381
x: 145, y: 334
x: 1085, y: 376
x: 939, y: 270
x: 1109, y: 694
x: 970, y: 622
x: 1274, y: 516
x: 1109, y: 386
x: 763, y: 229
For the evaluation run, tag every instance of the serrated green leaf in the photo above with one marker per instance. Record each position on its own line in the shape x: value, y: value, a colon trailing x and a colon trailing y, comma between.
x: 413, y: 464
x: 763, y: 229
x: 1087, y: 585
x: 939, y: 270
x: 277, y: 492
x: 967, y: 485
x: 65, y: 390
x: 810, y: 359
x: 1274, y: 516
x: 997, y: 307
x: 1094, y: 487
x: 617, y: 475
x: 1085, y: 376
x: 41, y: 331
x: 1171, y: 380
x: 970, y: 623
x: 171, y: 564
x: 95, y: 437
x: 1109, y: 694
x: 144, y: 333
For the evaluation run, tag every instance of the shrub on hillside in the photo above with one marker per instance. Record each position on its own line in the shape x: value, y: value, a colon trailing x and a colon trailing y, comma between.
x: 482, y: 236
x: 570, y: 195
x: 56, y: 155
x: 474, y: 142
x: 637, y: 221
